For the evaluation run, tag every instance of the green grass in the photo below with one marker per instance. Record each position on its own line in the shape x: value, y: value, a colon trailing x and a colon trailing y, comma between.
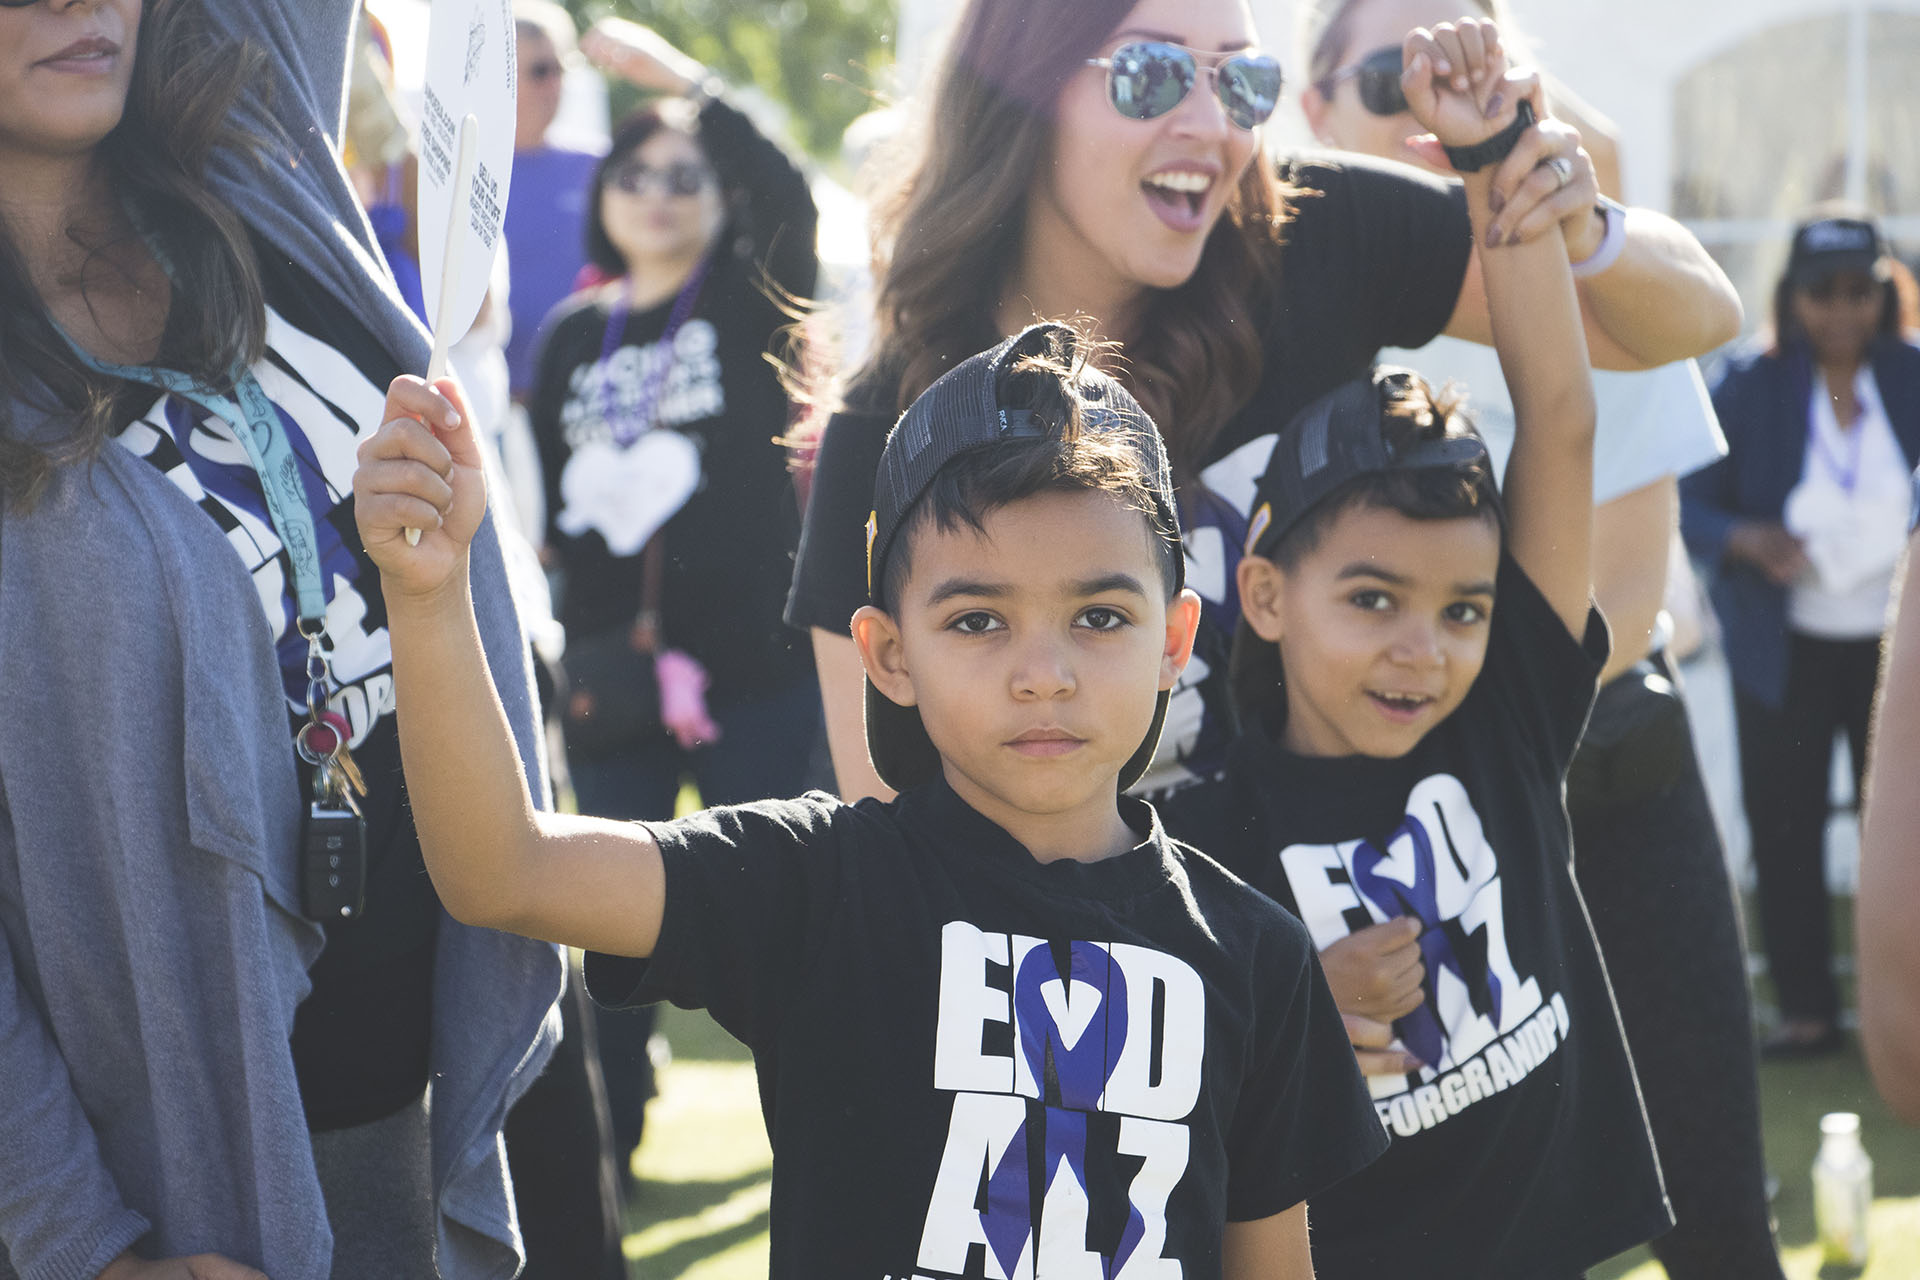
x: 700, y: 1207
x: 700, y: 1210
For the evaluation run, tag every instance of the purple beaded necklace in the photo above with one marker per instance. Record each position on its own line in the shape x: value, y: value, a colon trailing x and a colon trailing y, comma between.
x: 642, y: 420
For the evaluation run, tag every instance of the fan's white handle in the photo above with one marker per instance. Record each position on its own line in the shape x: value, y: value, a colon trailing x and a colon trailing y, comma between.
x: 450, y: 269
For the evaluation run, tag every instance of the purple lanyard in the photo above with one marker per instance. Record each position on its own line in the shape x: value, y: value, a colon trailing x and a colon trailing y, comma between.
x: 642, y: 420
x: 1848, y: 472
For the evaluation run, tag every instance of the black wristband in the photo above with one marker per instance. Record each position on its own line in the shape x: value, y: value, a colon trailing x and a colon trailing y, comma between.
x: 1495, y: 149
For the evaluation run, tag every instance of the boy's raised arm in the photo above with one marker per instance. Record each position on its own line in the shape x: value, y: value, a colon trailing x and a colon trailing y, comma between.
x: 495, y: 860
x: 1538, y: 333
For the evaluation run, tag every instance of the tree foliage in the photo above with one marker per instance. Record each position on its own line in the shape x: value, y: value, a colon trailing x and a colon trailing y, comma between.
x: 824, y: 59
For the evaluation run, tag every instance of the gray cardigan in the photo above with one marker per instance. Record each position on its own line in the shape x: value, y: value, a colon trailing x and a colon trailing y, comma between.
x: 149, y: 900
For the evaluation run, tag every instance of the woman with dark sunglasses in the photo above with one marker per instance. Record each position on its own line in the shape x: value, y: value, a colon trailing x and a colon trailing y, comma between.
x: 1647, y: 852
x: 654, y: 409
x: 1803, y: 524
x: 191, y: 652
x: 1103, y: 158
x: 670, y: 512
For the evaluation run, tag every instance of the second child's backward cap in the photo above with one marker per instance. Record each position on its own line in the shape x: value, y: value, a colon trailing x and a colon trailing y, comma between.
x: 1828, y: 246
x: 1334, y: 441
x: 959, y: 414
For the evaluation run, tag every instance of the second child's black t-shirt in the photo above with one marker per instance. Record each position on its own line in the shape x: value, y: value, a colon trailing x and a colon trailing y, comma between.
x: 973, y: 1064
x: 1520, y: 1147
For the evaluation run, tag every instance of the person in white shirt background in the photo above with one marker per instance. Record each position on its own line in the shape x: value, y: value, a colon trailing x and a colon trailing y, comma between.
x: 1804, y: 522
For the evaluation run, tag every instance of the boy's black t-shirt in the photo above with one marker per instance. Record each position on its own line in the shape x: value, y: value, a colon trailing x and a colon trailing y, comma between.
x: 1521, y: 1148
x: 974, y: 1064
x: 1373, y: 256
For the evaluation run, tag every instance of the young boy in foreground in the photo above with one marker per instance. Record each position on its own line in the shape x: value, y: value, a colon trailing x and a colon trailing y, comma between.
x: 1414, y: 666
x: 1004, y: 1027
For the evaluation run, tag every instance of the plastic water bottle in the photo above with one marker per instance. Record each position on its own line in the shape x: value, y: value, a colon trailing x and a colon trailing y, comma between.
x: 1842, y: 1190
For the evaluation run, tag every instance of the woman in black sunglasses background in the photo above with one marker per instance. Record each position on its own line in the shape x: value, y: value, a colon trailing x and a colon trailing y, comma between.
x: 1647, y: 852
x: 670, y: 511
x: 1103, y: 158
x: 1802, y: 524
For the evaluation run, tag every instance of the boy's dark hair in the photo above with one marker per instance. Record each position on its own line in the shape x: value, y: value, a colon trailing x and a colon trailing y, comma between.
x: 1060, y: 456
x: 1436, y: 468
x: 1412, y: 413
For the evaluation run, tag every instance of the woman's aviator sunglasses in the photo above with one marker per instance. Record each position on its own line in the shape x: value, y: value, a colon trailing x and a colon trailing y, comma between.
x: 1377, y: 77
x: 1148, y: 78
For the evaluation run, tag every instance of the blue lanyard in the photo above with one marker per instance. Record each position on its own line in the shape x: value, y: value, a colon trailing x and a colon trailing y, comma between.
x: 1846, y: 473
x: 256, y: 425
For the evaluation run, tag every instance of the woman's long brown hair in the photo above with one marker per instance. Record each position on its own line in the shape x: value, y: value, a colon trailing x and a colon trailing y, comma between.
x: 948, y: 233
x: 185, y: 81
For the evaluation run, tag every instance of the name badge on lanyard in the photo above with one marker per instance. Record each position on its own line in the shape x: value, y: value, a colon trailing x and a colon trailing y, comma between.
x: 334, y: 836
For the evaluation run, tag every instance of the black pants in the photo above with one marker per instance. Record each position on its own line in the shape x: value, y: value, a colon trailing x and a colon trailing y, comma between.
x: 1650, y: 866
x: 1786, y: 759
x: 560, y: 1150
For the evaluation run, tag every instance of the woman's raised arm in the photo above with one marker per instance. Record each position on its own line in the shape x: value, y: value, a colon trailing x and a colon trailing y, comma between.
x: 1663, y: 298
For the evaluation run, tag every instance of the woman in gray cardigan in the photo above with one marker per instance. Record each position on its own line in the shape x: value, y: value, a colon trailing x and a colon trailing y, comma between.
x: 183, y: 1078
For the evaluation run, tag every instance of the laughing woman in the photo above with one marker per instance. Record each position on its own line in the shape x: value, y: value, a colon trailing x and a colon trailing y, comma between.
x: 194, y: 333
x: 1104, y: 159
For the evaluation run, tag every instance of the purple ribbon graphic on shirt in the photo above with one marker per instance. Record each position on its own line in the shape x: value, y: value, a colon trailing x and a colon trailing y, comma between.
x: 1072, y: 1028
x: 1421, y: 1030
x: 1072, y: 1025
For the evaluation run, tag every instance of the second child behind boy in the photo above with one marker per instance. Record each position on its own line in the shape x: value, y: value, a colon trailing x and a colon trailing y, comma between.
x: 1414, y: 667
x: 1004, y: 1027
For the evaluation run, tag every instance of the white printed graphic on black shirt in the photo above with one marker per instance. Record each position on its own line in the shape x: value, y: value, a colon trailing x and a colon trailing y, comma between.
x: 1079, y: 1060
x: 1483, y: 1026
x: 323, y: 400
x: 1199, y: 724
x: 625, y: 494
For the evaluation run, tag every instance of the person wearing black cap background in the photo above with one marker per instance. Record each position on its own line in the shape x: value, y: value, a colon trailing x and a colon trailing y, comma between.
x: 1008, y: 977
x: 1803, y: 523
x: 1414, y: 664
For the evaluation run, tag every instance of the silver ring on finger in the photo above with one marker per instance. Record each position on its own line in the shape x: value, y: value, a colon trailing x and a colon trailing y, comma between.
x: 1562, y: 169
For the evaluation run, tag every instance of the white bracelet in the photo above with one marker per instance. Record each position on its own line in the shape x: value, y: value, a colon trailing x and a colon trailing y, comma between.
x: 1612, y: 240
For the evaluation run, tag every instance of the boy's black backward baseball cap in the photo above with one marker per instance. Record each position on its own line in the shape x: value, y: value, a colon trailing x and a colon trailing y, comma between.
x: 960, y: 413
x: 1334, y: 441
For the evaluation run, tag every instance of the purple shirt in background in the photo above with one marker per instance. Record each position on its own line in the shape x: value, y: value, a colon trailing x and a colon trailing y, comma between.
x: 546, y: 245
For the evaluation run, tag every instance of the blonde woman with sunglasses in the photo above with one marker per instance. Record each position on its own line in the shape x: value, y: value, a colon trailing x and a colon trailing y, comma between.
x: 1104, y: 159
